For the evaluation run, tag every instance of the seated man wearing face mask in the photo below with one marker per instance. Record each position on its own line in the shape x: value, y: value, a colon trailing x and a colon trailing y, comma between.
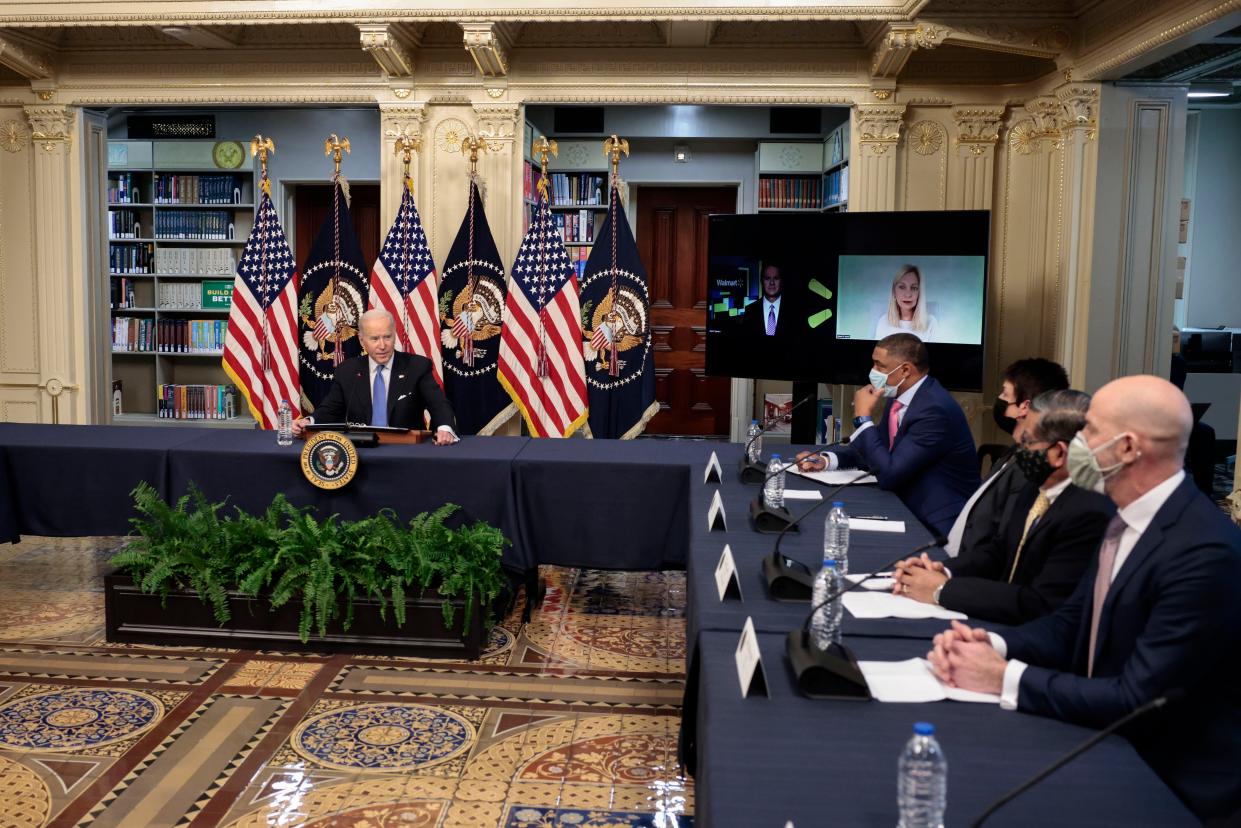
x: 921, y: 447
x: 1155, y: 614
x: 1048, y: 535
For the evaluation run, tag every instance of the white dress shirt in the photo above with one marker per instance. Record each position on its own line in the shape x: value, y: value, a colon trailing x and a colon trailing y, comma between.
x: 957, y: 532
x: 1137, y: 516
x: 768, y: 307
x: 904, y: 399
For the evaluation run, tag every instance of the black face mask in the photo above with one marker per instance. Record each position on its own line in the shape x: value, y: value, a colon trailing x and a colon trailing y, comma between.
x: 1034, y: 465
x: 1007, y: 424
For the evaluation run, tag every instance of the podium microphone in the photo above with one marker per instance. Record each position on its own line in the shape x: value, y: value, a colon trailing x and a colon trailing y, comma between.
x: 753, y: 472
x: 834, y: 673
x: 1172, y: 696
x: 789, y: 580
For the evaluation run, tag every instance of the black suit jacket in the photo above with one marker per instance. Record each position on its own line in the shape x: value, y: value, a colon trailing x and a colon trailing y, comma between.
x: 985, y: 520
x: 755, y: 323
x: 1172, y: 619
x: 1056, y: 553
x: 411, y: 390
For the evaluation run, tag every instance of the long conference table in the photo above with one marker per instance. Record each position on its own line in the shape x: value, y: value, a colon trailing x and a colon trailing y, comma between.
x: 757, y: 761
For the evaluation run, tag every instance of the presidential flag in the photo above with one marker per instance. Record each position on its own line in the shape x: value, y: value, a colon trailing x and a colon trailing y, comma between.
x: 620, y: 370
x: 403, y: 283
x: 541, y: 365
x: 332, y: 298
x: 260, y: 344
x: 471, y: 310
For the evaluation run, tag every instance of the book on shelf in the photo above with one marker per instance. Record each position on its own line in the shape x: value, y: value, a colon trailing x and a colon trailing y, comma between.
x: 122, y: 294
x: 180, y: 296
x: 124, y: 224
x: 207, y: 224
x: 130, y: 258
x: 790, y: 193
x: 577, y: 190
x: 197, y: 189
x: 191, y: 336
x: 196, y: 402
x: 123, y: 190
x: 117, y: 387
x: 201, y: 261
x: 576, y: 228
x: 837, y: 184
x: 132, y: 334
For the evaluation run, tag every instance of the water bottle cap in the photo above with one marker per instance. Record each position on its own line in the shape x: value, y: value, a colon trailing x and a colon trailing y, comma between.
x: 753, y: 422
x: 924, y: 728
x: 775, y: 457
x: 838, y: 504
x: 829, y: 562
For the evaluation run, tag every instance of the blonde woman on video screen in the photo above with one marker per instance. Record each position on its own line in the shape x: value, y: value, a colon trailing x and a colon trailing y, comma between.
x: 907, y: 308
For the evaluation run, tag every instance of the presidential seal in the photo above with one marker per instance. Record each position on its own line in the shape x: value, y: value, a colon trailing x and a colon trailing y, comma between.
x: 329, y: 460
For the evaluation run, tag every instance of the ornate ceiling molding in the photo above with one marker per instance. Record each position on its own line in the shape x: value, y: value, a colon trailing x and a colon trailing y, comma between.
x: 488, y: 43
x: 26, y: 62
x: 1031, y: 39
x: 385, y: 44
x: 900, y: 41
x: 1104, y: 63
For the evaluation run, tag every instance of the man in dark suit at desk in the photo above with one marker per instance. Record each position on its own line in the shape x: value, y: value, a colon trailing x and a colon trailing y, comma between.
x: 385, y: 387
x: 1157, y: 611
x: 979, y: 521
x: 1048, y: 536
x: 921, y: 447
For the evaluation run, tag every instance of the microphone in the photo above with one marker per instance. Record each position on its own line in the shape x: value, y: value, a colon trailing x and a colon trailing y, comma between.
x: 753, y: 472
x: 789, y: 580
x: 834, y: 673
x: 1171, y: 697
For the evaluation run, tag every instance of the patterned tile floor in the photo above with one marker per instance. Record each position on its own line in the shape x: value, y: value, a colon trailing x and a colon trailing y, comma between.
x: 569, y: 721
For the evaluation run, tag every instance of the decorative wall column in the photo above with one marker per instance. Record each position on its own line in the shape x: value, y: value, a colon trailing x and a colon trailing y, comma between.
x: 1078, y: 131
x: 876, y: 130
x: 978, y: 132
x: 501, y: 169
x: 395, y: 120
x: 60, y: 306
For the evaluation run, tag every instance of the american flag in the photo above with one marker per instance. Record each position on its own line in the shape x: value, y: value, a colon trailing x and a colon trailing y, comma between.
x: 403, y: 282
x: 260, y: 345
x: 541, y: 363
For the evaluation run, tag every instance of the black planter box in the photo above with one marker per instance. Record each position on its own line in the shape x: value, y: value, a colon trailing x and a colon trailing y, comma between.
x: 134, y: 617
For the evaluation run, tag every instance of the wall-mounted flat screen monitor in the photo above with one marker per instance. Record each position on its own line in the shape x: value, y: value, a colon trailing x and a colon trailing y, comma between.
x: 805, y: 296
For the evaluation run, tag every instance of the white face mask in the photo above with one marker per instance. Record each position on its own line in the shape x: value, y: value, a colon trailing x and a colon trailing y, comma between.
x: 880, y: 380
x: 1083, y: 463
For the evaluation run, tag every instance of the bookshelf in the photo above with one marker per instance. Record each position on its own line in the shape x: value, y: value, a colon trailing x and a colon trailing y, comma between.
x: 176, y: 218
x: 836, y: 170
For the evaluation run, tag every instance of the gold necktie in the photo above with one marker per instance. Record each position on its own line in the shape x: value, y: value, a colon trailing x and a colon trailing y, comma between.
x: 1040, y: 507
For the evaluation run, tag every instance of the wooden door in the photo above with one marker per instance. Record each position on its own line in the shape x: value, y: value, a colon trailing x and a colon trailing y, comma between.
x: 311, y: 206
x: 672, y: 240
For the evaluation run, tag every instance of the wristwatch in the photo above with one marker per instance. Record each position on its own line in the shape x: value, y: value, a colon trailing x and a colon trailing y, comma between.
x: 936, y: 593
x: 857, y: 421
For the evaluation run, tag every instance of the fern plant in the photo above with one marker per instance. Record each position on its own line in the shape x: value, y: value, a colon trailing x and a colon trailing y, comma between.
x: 287, y: 553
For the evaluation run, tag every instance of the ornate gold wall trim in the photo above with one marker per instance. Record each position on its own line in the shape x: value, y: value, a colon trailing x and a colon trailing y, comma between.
x: 1095, y: 71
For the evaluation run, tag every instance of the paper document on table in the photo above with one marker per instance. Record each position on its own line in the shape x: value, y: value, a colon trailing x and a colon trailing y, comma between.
x: 886, y: 605
x: 871, y: 525
x: 913, y: 681
x: 835, y: 478
x: 881, y: 581
x: 803, y: 494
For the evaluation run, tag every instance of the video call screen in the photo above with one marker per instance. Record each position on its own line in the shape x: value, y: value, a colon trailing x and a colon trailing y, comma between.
x: 806, y: 296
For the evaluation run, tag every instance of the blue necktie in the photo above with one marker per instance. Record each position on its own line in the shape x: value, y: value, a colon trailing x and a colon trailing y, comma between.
x: 379, y: 400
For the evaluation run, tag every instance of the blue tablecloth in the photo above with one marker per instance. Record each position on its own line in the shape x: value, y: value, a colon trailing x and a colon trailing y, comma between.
x: 763, y: 761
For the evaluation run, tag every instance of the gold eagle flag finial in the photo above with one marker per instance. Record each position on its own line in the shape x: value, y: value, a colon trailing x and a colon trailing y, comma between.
x: 542, y: 148
x: 612, y: 148
x: 336, y: 147
x: 405, y: 147
x: 474, y: 145
x: 262, y: 147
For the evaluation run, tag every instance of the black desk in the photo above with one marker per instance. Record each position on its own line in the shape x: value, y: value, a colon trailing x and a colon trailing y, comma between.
x: 248, y: 468
x: 71, y: 480
x: 763, y: 761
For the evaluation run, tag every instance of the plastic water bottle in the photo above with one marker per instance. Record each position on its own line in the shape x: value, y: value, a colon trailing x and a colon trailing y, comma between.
x: 284, y: 424
x: 836, y: 538
x: 825, y: 625
x: 922, y: 780
x: 754, y: 441
x: 773, y: 487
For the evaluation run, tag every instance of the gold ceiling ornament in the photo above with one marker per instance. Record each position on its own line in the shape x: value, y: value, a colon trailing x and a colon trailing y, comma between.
x: 881, y: 94
x: 926, y: 137
x: 13, y: 136
x: 402, y: 93
x: 45, y: 94
x: 336, y: 147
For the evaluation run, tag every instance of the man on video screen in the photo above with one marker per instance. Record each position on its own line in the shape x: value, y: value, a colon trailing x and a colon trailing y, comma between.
x: 770, y: 318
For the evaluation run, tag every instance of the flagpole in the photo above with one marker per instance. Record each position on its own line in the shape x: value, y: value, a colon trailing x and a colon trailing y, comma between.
x: 471, y: 308
x: 613, y: 147
x: 335, y: 147
x: 405, y: 147
x: 261, y: 146
x: 543, y: 146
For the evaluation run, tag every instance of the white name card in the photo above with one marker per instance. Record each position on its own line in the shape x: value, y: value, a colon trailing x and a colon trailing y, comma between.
x: 726, y: 581
x: 750, y: 663
x: 713, y: 473
x: 716, y: 519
